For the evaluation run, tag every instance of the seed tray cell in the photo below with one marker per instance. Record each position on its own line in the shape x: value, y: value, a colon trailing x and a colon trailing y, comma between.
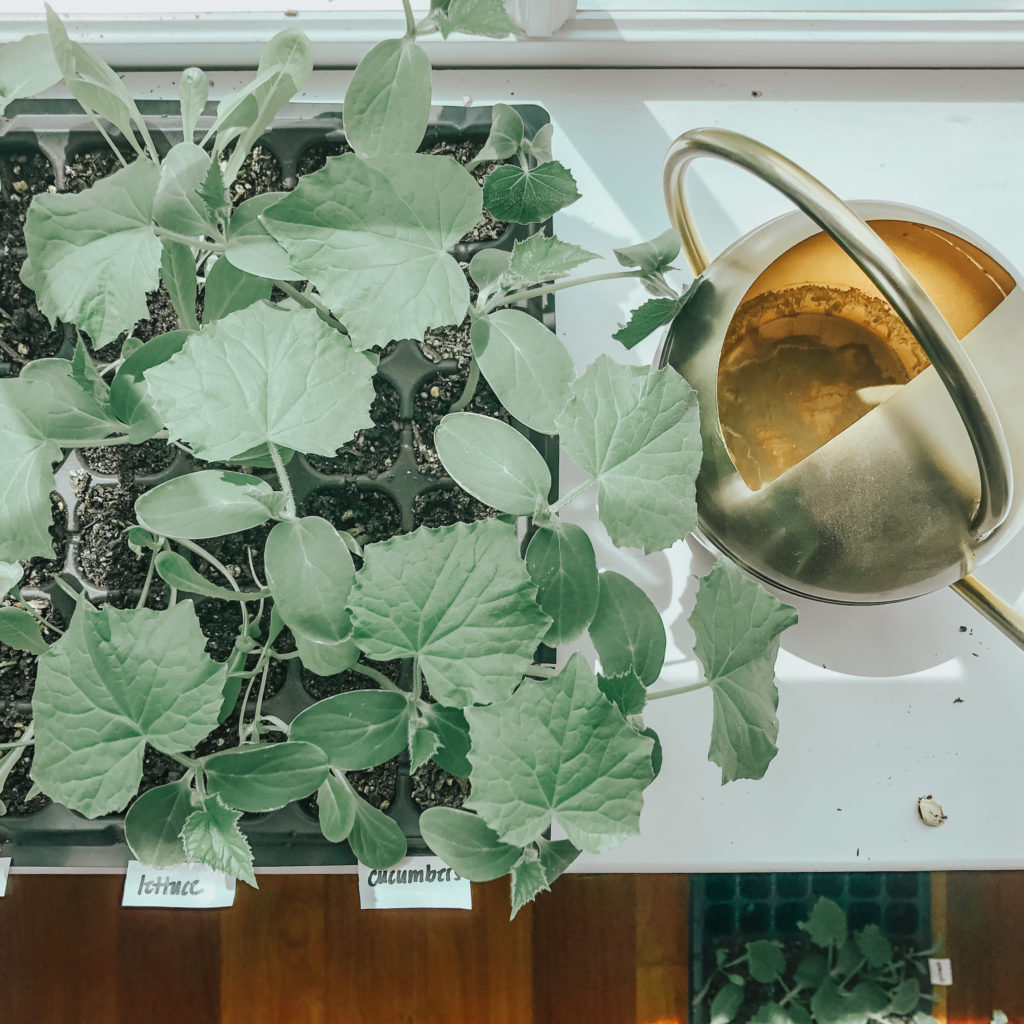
x: 399, y: 493
x: 731, y: 909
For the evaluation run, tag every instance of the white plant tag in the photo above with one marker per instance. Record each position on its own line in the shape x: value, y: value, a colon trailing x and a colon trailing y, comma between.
x: 190, y: 886
x: 940, y: 971
x: 5, y: 870
x: 414, y: 882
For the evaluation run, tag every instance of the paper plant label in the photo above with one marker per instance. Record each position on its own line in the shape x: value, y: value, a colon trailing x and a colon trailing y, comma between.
x: 413, y: 882
x: 190, y: 886
x: 940, y: 971
x: 5, y: 870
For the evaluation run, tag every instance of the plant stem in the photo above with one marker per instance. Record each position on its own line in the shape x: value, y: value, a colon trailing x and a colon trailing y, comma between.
x: 192, y: 241
x: 676, y: 691
x: 106, y: 442
x: 312, y: 302
x: 377, y: 677
x: 282, y: 476
x: 410, y: 21
x: 215, y: 562
x: 39, y: 618
x: 470, y: 389
x: 574, y: 493
x: 148, y: 581
x: 547, y: 289
x: 417, y: 680
x: 18, y: 743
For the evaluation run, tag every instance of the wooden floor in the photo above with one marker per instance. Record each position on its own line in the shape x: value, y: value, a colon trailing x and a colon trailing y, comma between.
x: 599, y: 949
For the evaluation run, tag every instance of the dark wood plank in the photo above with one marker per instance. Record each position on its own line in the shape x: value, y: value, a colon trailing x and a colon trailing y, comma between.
x: 584, y: 950
x: 429, y: 966
x: 57, y: 949
x: 985, y: 918
x: 662, y: 948
x: 275, y: 952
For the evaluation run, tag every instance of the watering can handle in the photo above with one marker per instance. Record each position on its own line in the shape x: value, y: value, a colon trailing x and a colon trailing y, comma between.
x: 883, y: 267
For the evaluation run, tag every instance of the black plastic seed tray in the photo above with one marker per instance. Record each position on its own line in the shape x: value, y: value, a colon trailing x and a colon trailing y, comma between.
x: 730, y: 909
x: 390, y: 483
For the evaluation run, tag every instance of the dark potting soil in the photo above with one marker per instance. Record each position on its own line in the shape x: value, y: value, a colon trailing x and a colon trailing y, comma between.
x: 239, y: 553
x: 488, y: 228
x: 446, y: 506
x: 38, y: 571
x: 89, y: 164
x: 432, y: 786
x: 221, y: 623
x: 314, y: 157
x: 162, y: 318
x: 12, y: 726
x: 452, y: 341
x: 371, y: 451
x: 103, y: 557
x: 434, y: 400
x: 128, y: 461
x: 24, y: 172
x: 18, y: 668
x: 368, y: 515
x: 260, y: 172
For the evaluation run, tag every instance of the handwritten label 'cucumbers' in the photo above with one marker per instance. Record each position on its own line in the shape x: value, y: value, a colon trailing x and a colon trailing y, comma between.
x: 414, y: 882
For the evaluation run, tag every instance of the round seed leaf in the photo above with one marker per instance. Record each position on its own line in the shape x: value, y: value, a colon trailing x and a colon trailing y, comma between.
x: 268, y: 776
x: 465, y: 842
x: 153, y: 824
x: 376, y: 839
x: 263, y: 375
x: 336, y: 805
x: 528, y: 367
x: 21, y: 631
x: 627, y: 630
x: 178, y: 572
x: 210, y: 503
x: 493, y: 461
x: 561, y: 561
x: 251, y: 247
x: 558, y: 751
x: 459, y: 598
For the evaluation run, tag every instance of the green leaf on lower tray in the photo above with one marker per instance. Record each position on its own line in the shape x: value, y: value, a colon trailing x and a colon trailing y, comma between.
x: 637, y: 430
x: 627, y: 630
x: 543, y: 258
x: 766, y: 960
x: 558, y: 751
x: 528, y: 880
x: 266, y: 777
x: 460, y: 599
x: 21, y: 631
x: 874, y: 946
x: 906, y: 997
x: 358, y: 729
x: 737, y: 624
x: 527, y: 366
x: 561, y: 561
x: 726, y: 1004
x: 527, y: 195
x: 372, y: 236
x: 376, y: 839
x: 646, y: 319
x: 826, y: 925
x: 153, y: 824
x: 101, y: 239
x: 114, y: 682
x: 387, y: 103
x: 177, y: 571
x: 773, y: 1013
x: 210, y: 503
x: 466, y: 843
x: 263, y: 375
x: 211, y: 836
x: 336, y: 806
x: 493, y: 462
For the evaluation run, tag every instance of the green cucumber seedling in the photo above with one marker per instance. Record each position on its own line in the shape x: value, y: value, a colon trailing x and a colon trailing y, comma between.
x: 298, y: 292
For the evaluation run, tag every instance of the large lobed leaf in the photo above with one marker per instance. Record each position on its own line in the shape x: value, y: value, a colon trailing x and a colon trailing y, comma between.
x: 460, y: 599
x: 637, y: 430
x: 558, y: 751
x: 737, y: 625
x: 263, y: 375
x: 371, y: 234
x: 114, y: 682
x: 93, y: 255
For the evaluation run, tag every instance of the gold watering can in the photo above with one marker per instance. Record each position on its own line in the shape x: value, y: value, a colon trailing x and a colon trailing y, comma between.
x: 859, y: 377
